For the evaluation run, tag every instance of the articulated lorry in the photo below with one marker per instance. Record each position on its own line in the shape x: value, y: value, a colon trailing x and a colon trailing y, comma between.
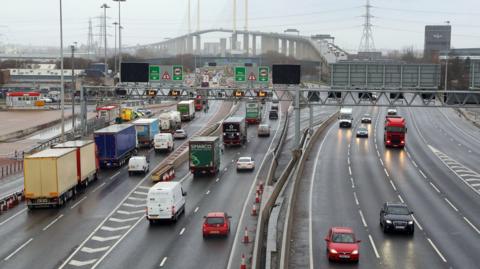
x: 395, y: 131
x: 146, y: 131
x: 115, y: 144
x: 186, y: 109
x: 204, y: 155
x: 234, y: 131
x: 253, y: 112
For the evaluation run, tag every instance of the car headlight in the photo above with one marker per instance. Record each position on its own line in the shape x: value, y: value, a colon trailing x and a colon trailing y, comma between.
x: 388, y: 221
x: 410, y: 222
x: 333, y: 251
x: 355, y: 252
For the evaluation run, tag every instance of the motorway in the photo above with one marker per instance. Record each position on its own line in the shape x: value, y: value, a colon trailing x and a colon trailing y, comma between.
x: 349, y: 178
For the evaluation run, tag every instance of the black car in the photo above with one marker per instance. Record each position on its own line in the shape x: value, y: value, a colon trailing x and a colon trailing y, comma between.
x: 273, y: 115
x: 396, y: 217
x: 366, y: 118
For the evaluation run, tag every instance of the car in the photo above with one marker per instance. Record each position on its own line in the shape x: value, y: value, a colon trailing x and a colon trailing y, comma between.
x: 138, y: 164
x: 396, y: 217
x: 46, y: 100
x: 145, y: 112
x: 180, y: 134
x: 362, y: 131
x: 342, y: 244
x: 274, y: 107
x: 245, y: 163
x: 263, y: 130
x: 392, y: 111
x: 217, y: 224
x: 366, y: 118
x: 273, y: 115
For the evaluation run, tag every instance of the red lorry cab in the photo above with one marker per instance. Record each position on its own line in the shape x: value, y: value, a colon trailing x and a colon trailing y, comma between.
x: 395, y: 132
x: 198, y: 103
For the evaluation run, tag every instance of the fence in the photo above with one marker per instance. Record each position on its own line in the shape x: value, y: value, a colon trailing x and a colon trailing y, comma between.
x: 11, y: 168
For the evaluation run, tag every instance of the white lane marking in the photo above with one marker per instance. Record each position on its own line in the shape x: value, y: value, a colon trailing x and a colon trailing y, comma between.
x: 104, y: 239
x: 135, y: 198
x: 18, y: 249
x: 98, y: 187
x: 400, y: 198
x: 472, y: 179
x: 218, y: 179
x: 53, y: 222
x: 475, y: 184
x: 208, y: 192
x: 94, y: 250
x: 163, y: 261
x: 363, y: 219
x: 418, y: 223
x: 471, y: 224
x: 140, y: 193
x: 348, y: 160
x: 386, y: 172
x: 356, y: 199
x: 81, y: 263
x: 113, y: 229
x: 123, y: 220
x: 143, y: 187
x: 408, y: 154
x: 373, y: 246
x: 435, y: 187
x: 454, y: 208
x: 123, y: 212
x: 350, y: 170
x: 182, y: 231
x: 132, y: 205
x: 185, y: 177
x: 381, y: 161
x: 414, y: 164
x: 436, y: 249
x: 423, y: 175
x: 393, y: 185
x: 196, y: 209
x: 16, y: 214
x: 378, y: 154
x: 77, y: 203
x: 353, y: 183
x: 116, y: 174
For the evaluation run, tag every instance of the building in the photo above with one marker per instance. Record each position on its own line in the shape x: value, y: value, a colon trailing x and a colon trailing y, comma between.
x: 437, y: 38
x: 29, y: 100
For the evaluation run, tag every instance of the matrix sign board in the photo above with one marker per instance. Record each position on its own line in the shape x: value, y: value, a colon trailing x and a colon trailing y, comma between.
x: 135, y: 72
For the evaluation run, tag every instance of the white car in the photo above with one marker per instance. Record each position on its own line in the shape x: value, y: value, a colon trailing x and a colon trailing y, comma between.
x: 245, y: 163
x: 180, y: 134
x: 138, y: 164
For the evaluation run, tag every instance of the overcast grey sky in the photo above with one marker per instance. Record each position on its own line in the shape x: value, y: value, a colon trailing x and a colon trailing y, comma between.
x: 398, y: 23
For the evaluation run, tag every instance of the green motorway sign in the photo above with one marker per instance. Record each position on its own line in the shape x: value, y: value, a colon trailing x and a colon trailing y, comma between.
x: 263, y: 73
x: 154, y: 73
x: 240, y: 74
x: 177, y: 72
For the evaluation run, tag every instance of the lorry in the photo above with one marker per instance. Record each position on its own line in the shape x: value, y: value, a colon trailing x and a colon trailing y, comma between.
x: 146, y: 131
x: 204, y: 155
x: 186, y: 109
x: 50, y: 177
x: 395, y: 131
x: 253, y: 112
x: 108, y: 113
x: 234, y: 131
x: 170, y: 121
x: 86, y: 160
x: 115, y: 144
x: 346, y: 117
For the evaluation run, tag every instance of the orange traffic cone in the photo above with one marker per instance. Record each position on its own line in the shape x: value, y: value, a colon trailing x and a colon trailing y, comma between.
x: 261, y: 185
x: 254, y: 210
x: 243, y: 265
x: 245, y: 236
x: 257, y: 198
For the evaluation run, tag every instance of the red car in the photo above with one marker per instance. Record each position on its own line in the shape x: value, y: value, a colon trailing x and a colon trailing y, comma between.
x: 342, y: 245
x: 216, y: 223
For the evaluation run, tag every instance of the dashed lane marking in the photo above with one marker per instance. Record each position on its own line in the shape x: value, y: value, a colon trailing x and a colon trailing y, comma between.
x: 386, y: 172
x: 436, y: 249
x: 417, y: 223
x: 448, y: 201
x: 18, y: 249
x: 471, y: 224
x: 196, y: 209
x: 77, y: 203
x: 400, y: 198
x: 98, y: 187
x: 435, y: 187
x: 373, y: 246
x: 182, y: 231
x: 163, y: 262
x: 363, y: 219
x: 423, y: 174
x: 393, y: 185
x: 53, y: 222
x: 356, y: 199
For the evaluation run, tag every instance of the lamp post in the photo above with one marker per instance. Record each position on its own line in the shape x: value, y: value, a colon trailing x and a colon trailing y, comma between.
x: 119, y: 41
x: 115, y: 54
x: 74, y: 88
x: 62, y: 87
x: 105, y: 6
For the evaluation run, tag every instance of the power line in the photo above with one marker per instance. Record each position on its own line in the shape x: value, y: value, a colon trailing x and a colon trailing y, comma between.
x: 427, y: 11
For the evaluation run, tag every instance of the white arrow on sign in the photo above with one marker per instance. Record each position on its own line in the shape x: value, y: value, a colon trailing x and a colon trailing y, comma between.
x: 104, y: 239
x: 113, y: 229
x: 94, y: 250
x: 123, y: 220
x: 81, y: 263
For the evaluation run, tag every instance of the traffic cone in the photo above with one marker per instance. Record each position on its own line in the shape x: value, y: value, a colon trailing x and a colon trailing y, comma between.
x: 257, y: 198
x: 243, y: 265
x: 261, y: 186
x: 254, y: 210
x: 259, y: 191
x: 245, y: 236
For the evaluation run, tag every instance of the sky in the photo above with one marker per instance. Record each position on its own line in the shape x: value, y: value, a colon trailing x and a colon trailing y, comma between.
x: 397, y: 23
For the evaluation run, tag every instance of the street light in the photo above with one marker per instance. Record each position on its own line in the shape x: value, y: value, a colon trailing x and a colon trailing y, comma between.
x: 105, y: 6
x: 446, y: 62
x: 115, y: 54
x: 62, y: 88
x: 74, y: 88
x: 119, y: 41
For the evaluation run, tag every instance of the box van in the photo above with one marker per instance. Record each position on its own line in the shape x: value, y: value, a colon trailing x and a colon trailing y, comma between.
x: 138, y: 164
x: 163, y: 141
x: 165, y: 201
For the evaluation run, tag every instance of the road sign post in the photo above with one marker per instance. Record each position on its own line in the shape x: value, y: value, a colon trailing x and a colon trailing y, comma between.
x: 154, y: 72
x: 177, y: 73
x: 263, y: 73
x: 240, y: 74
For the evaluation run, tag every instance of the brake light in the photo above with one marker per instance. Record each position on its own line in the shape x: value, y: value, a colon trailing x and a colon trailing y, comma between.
x: 388, y: 141
x: 403, y: 142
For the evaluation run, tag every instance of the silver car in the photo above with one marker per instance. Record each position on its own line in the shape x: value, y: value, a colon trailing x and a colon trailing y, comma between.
x: 180, y: 134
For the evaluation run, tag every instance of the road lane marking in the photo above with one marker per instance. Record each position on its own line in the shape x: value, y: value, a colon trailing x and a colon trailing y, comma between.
x: 163, y: 261
x: 182, y: 231
x: 353, y: 183
x: 393, y: 185
x: 414, y: 164
x: 381, y: 161
x: 116, y: 174
x: 471, y: 224
x: 10, y: 218
x: 454, y: 208
x: 123, y: 220
x: 356, y: 199
x: 208, y: 192
x: 423, y: 175
x: 132, y: 205
x: 135, y: 198
x: 196, y: 209
x: 400, y: 198
x: 18, y: 249
x: 218, y: 179
x: 104, y: 239
x: 435, y: 187
x: 77, y: 203
x: 348, y: 160
x: 363, y: 219
x: 123, y: 212
x: 373, y: 246
x: 99, y: 186
x: 386, y: 172
x: 94, y: 250
x: 140, y: 193
x: 53, y: 222
x: 114, y: 229
x: 143, y: 187
x: 418, y: 223
x: 81, y: 263
x: 350, y: 170
x: 436, y: 249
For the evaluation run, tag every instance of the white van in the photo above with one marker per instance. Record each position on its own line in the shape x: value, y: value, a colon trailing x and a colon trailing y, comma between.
x: 138, y: 164
x: 163, y: 141
x: 165, y: 201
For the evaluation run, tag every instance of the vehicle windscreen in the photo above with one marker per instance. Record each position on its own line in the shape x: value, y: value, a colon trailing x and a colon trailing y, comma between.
x: 342, y: 238
x: 345, y: 116
x: 214, y: 220
x: 398, y: 210
x: 244, y: 160
x: 395, y: 129
x: 362, y: 129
